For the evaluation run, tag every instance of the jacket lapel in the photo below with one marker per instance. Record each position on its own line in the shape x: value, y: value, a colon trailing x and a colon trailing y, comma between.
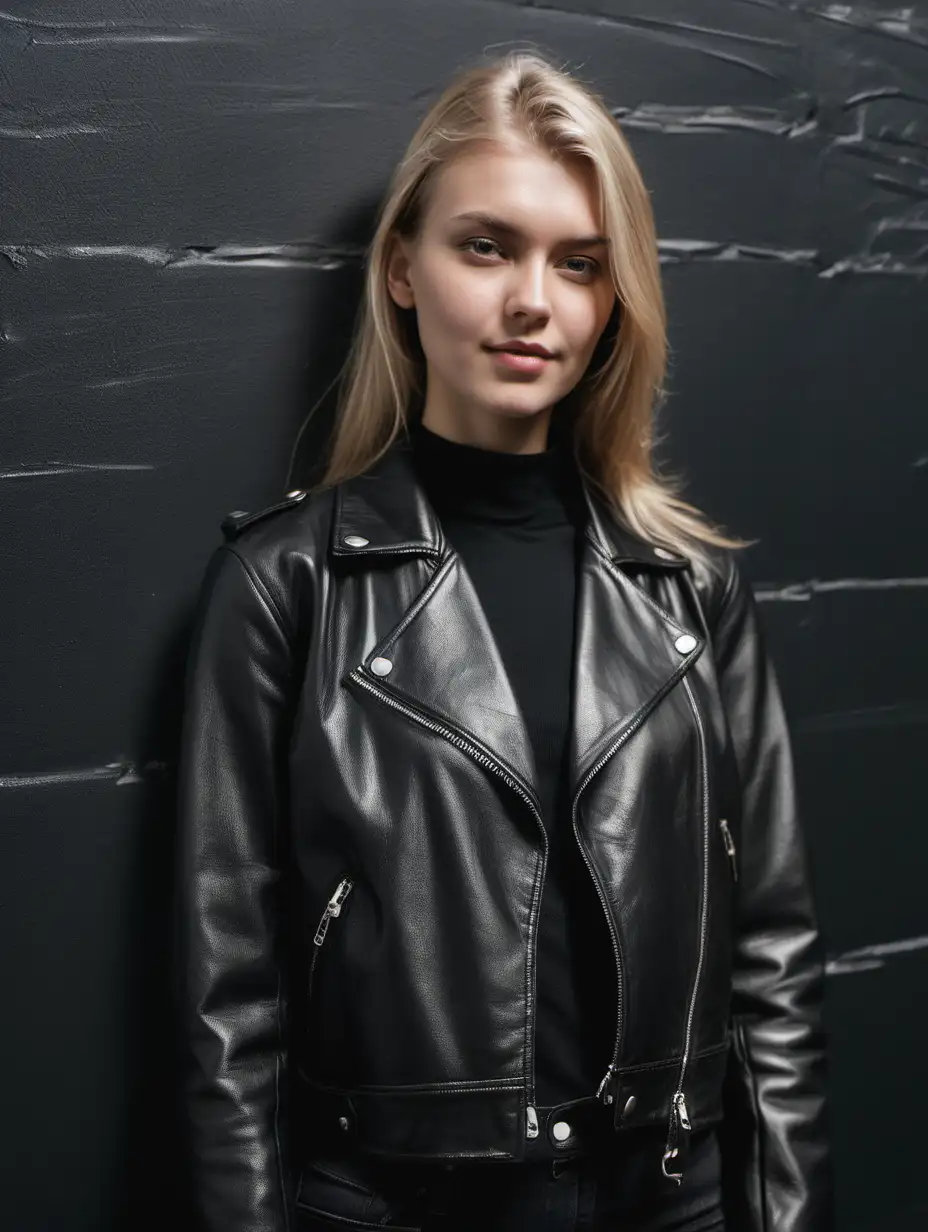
x: 628, y: 651
x: 440, y: 657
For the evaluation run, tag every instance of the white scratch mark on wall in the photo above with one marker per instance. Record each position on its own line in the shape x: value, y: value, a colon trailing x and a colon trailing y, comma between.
x: 99, y: 33
x: 872, y: 957
x: 122, y: 773
x: 802, y: 592
x: 72, y: 468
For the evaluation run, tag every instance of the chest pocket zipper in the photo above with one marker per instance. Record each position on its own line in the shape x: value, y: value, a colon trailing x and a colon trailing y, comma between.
x: 333, y: 908
x: 729, y: 846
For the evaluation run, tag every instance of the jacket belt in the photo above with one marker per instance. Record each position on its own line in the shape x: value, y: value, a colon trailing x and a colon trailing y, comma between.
x: 487, y: 1120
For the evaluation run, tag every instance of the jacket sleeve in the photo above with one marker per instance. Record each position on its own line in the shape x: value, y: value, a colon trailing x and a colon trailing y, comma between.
x: 775, y: 1149
x: 228, y: 960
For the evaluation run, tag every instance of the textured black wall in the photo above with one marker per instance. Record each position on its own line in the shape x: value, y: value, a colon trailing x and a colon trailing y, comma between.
x: 185, y: 194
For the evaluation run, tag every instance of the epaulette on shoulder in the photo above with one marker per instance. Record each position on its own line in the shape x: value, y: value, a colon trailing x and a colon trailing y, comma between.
x: 235, y: 522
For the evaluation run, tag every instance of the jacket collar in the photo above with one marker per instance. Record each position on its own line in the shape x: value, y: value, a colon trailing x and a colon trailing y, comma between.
x: 441, y: 657
x: 387, y: 507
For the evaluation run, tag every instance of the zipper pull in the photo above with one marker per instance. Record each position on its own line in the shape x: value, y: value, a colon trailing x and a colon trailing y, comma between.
x: 678, y: 1139
x: 601, y: 1092
x: 333, y: 908
x: 729, y: 845
x: 531, y: 1122
x: 671, y: 1153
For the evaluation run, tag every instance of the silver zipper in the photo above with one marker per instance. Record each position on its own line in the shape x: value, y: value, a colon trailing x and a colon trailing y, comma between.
x: 606, y: 1097
x: 432, y: 553
x: 333, y: 908
x: 679, y: 1118
x: 729, y: 846
x: 602, y: 1091
x: 531, y: 1124
x: 672, y: 1151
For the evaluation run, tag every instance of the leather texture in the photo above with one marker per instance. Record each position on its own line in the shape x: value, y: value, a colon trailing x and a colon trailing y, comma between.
x: 349, y: 731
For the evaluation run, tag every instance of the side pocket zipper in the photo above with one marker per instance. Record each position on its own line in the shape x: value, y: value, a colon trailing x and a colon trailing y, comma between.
x: 333, y: 908
x: 729, y: 846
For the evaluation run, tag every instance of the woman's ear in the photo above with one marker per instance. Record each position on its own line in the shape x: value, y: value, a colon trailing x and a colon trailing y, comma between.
x: 398, y: 283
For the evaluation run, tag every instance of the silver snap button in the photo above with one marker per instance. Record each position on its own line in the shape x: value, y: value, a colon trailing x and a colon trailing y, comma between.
x: 685, y: 643
x: 381, y: 667
x: 342, y: 1122
x: 356, y: 541
x: 630, y: 1104
x: 560, y: 1130
x: 664, y: 554
x: 297, y: 492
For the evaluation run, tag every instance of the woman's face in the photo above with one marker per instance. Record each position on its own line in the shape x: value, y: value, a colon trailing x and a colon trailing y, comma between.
x: 529, y: 269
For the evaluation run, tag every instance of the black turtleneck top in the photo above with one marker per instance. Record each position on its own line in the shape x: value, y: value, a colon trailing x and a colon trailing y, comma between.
x: 515, y: 521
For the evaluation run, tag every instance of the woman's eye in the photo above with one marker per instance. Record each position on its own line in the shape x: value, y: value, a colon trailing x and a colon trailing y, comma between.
x: 590, y: 265
x: 480, y: 240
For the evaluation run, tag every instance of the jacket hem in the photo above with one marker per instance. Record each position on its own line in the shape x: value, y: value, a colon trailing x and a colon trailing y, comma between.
x: 486, y: 1120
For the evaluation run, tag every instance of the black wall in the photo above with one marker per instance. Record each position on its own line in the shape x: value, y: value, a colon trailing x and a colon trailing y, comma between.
x: 186, y: 190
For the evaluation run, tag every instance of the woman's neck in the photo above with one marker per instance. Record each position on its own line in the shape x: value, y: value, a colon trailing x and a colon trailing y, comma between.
x: 491, y: 485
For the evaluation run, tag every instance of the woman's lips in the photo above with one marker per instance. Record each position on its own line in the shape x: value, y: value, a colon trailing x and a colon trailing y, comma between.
x: 518, y: 361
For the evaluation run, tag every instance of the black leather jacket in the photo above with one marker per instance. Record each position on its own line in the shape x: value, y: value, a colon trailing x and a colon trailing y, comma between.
x: 361, y: 860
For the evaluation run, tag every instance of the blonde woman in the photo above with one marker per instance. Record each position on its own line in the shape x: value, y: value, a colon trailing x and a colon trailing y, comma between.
x: 493, y: 910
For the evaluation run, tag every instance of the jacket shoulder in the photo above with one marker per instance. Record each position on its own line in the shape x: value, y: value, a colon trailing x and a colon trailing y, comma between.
x: 281, y: 546
x: 713, y: 577
x: 234, y: 523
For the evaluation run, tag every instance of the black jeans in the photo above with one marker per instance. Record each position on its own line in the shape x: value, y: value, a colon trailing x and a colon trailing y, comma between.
x: 609, y: 1191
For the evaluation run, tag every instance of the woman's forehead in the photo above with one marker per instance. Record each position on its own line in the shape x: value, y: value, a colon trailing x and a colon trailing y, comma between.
x: 521, y: 192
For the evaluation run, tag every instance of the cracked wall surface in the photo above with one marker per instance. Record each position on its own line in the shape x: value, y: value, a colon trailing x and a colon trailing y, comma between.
x: 186, y: 193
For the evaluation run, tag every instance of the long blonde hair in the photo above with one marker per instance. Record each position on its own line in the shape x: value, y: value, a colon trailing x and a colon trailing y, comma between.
x: 522, y: 96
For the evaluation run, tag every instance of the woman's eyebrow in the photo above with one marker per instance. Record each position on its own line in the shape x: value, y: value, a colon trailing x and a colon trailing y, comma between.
x: 497, y: 224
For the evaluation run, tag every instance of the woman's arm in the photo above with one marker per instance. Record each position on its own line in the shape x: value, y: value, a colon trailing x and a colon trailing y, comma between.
x: 230, y: 968
x: 776, y: 1157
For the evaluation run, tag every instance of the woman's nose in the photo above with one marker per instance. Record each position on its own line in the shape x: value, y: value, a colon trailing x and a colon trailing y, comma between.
x: 529, y: 293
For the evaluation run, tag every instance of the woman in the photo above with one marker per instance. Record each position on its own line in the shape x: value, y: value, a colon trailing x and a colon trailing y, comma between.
x: 494, y: 909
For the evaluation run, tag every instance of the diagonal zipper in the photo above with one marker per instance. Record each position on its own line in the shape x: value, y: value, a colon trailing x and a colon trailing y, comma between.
x: 679, y: 1117
x: 478, y: 754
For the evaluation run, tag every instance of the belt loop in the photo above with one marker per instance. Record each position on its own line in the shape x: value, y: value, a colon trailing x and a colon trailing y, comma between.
x: 558, y: 1166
